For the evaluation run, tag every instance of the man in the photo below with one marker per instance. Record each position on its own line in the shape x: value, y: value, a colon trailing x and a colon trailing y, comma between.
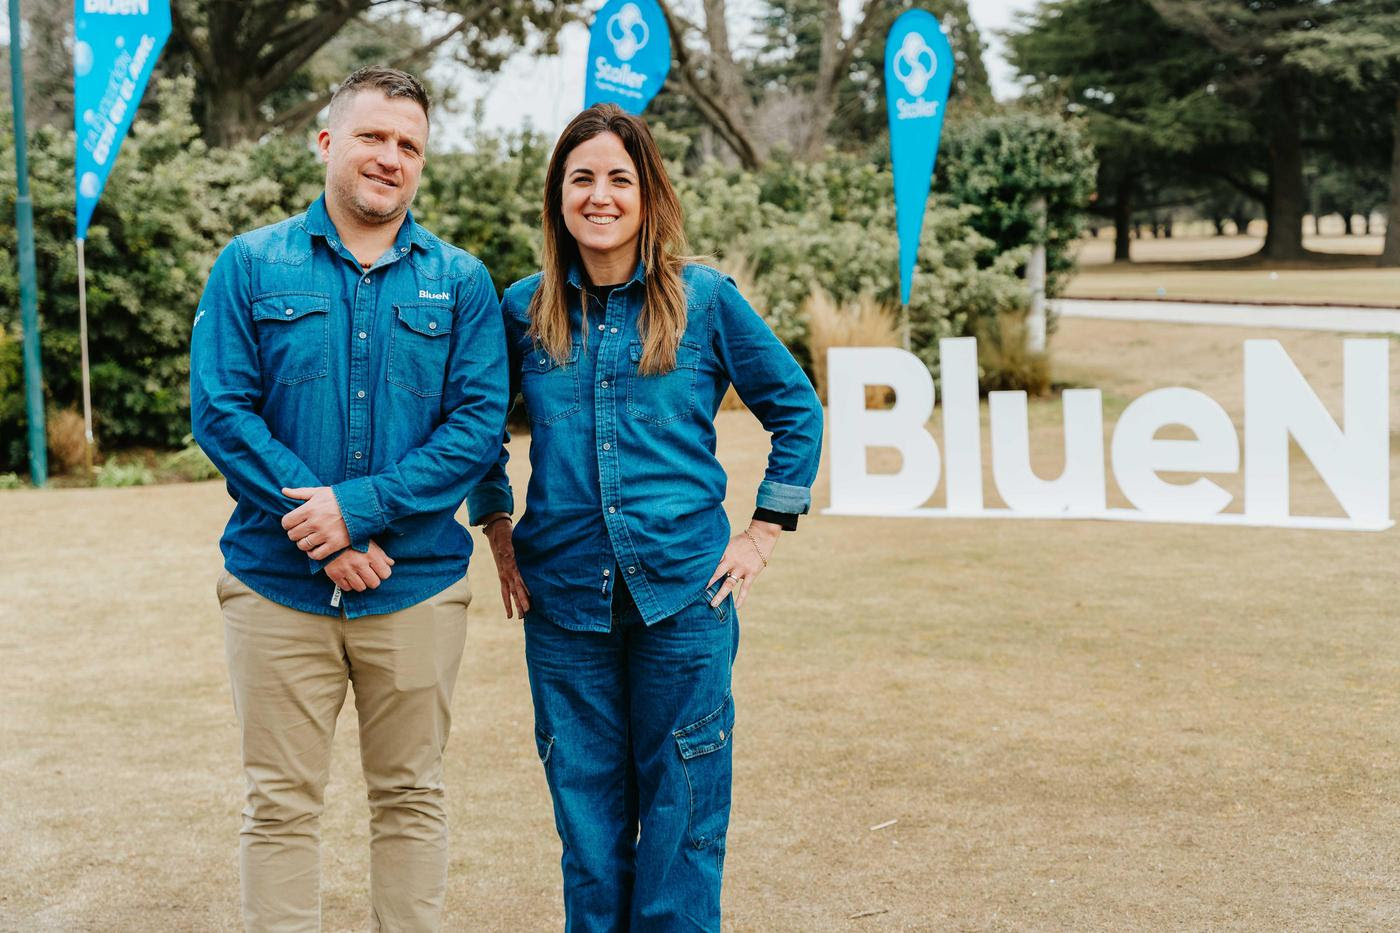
x: 348, y: 376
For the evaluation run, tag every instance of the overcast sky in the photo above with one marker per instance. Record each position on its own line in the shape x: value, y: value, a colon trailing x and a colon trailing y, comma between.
x: 546, y: 92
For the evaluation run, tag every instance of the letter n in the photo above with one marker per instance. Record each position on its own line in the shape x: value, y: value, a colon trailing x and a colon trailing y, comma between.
x: 1278, y: 403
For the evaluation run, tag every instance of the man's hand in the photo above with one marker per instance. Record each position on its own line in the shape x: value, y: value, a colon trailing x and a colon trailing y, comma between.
x: 513, y: 592
x: 316, y: 526
x: 359, y: 572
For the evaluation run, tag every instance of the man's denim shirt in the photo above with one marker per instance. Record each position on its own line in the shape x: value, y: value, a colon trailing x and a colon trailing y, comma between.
x: 388, y: 385
x: 624, y: 478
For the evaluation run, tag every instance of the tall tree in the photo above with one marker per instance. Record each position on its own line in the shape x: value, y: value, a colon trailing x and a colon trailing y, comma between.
x: 1360, y: 51
x: 244, y: 54
x: 1143, y: 89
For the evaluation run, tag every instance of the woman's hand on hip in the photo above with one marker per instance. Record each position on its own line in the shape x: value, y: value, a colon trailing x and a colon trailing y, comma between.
x: 744, y: 559
x: 514, y: 595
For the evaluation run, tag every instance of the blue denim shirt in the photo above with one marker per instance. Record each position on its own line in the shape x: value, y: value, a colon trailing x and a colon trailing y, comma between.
x: 624, y: 477
x: 388, y: 385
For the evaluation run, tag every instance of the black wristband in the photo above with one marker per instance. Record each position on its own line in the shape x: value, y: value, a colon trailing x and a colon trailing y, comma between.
x: 784, y: 520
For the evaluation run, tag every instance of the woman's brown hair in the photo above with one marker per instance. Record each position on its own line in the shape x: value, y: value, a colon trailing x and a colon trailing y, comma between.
x: 661, y: 243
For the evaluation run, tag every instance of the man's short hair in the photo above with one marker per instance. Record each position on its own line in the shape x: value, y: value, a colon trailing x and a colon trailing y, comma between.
x: 391, y: 82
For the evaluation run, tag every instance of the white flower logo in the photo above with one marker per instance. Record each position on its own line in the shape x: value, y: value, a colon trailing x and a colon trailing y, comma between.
x: 909, y: 65
x: 628, y: 32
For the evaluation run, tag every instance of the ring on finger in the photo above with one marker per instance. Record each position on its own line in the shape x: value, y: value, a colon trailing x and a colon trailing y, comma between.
x: 735, y: 578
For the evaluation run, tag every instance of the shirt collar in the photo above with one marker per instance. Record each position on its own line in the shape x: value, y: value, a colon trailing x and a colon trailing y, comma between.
x: 318, y: 223
x: 577, y: 277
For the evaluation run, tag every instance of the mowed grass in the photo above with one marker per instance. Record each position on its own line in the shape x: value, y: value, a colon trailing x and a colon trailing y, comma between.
x: 1076, y: 725
x: 1218, y: 269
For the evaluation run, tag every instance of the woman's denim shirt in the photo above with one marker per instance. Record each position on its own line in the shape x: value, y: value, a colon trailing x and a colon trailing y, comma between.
x: 387, y: 384
x: 624, y: 479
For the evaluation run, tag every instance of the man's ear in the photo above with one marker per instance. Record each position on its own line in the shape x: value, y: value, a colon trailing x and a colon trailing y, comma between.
x: 323, y: 144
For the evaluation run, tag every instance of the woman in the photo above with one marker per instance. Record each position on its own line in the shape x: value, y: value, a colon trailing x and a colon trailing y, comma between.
x: 623, y: 567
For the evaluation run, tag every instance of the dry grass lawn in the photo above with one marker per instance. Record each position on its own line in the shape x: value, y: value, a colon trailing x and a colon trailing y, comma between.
x: 1215, y: 269
x: 1076, y: 725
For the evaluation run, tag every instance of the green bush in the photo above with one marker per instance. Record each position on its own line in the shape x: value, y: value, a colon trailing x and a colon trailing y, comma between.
x: 115, y: 473
x: 1000, y: 163
x: 831, y: 224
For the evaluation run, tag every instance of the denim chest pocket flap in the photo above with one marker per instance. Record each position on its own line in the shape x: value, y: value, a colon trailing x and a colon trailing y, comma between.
x: 550, y: 386
x: 418, y: 350
x: 293, y: 335
x: 664, y: 397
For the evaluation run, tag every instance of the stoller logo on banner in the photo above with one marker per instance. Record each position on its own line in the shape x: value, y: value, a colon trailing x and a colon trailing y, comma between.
x: 627, y: 31
x: 115, y: 47
x: 918, y: 73
x: 629, y: 55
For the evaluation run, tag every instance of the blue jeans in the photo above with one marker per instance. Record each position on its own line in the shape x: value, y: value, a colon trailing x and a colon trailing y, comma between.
x: 634, y: 731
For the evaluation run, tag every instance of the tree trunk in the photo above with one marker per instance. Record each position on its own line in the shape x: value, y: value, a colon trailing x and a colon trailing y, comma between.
x: 231, y: 114
x: 1123, y: 222
x: 1390, y: 252
x: 1219, y: 223
x: 1287, y: 196
x: 1167, y: 227
x: 1348, y: 223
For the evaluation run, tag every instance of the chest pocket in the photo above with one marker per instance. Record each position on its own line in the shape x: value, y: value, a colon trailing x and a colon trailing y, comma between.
x: 666, y: 397
x: 419, y: 346
x: 294, y: 341
x: 550, y: 387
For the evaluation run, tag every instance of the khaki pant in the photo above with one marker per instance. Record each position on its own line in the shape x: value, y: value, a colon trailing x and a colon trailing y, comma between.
x: 289, y: 671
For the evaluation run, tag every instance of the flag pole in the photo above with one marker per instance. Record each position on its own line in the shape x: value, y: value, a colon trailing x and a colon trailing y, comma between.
x: 83, y: 341
x: 28, y: 278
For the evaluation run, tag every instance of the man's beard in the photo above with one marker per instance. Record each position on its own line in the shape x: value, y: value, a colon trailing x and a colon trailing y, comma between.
x: 364, y: 212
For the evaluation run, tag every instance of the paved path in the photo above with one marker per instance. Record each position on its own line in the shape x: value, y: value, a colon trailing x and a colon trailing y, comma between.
x: 1297, y: 317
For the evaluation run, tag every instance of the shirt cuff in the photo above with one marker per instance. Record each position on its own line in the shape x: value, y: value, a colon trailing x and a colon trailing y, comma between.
x: 795, y: 500
x: 359, y: 509
x: 487, y: 499
x: 784, y: 520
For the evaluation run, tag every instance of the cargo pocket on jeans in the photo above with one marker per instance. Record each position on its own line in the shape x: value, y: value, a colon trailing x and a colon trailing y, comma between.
x: 708, y: 762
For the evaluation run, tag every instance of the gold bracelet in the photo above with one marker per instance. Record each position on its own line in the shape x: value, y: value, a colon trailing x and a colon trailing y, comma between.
x: 754, y: 542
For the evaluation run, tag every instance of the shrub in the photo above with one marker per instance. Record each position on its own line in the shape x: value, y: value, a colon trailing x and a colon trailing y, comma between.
x: 1000, y: 163
x: 860, y: 323
x: 191, y: 463
x: 129, y: 473
x: 67, y: 436
x: 11, y: 481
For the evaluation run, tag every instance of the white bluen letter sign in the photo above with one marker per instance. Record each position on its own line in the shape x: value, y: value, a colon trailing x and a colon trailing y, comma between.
x: 1352, y: 458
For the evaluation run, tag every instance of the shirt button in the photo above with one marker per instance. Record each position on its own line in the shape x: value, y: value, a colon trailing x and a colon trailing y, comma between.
x: 432, y: 325
x: 607, y: 446
x: 631, y: 569
x: 600, y: 326
x: 607, y: 573
x: 363, y: 335
x: 605, y: 383
x: 360, y: 394
x: 366, y: 280
x: 614, y: 330
x: 359, y: 455
x: 290, y: 311
x: 611, y: 509
x: 403, y: 249
x: 543, y: 361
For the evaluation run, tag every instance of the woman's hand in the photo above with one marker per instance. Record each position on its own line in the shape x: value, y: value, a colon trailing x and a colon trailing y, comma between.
x: 744, y: 559
x: 514, y: 595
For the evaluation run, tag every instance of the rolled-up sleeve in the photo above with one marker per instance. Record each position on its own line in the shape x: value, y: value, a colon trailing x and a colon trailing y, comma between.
x: 780, y: 395
x: 437, y: 475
